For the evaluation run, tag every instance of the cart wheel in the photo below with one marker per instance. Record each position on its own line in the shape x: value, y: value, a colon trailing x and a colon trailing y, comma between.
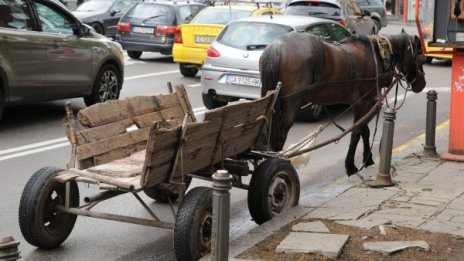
x: 274, y: 188
x: 162, y: 195
x: 40, y: 223
x: 192, y: 230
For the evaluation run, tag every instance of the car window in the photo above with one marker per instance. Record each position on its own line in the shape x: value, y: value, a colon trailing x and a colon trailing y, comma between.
x: 339, y: 32
x: 123, y: 5
x: 13, y: 14
x: 314, y: 10
x: 322, y: 31
x: 187, y: 12
x: 251, y: 35
x: 94, y: 6
x: 53, y: 20
x: 219, y: 15
x: 152, y: 13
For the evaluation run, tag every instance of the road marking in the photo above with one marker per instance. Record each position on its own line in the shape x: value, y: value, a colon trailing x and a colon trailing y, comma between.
x: 194, y: 85
x: 63, y: 141
x: 149, y: 75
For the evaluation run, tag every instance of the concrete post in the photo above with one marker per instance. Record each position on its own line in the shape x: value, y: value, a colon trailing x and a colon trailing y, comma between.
x: 386, y: 146
x: 9, y: 249
x: 222, y: 183
x: 431, y: 120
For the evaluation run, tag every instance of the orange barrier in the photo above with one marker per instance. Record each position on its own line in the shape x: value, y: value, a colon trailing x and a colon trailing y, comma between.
x: 456, y: 127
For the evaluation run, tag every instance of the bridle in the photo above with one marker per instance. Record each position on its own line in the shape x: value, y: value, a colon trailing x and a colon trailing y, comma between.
x: 399, y: 67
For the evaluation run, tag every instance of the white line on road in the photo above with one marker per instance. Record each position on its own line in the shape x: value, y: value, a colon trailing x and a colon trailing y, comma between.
x: 150, y: 75
x: 62, y: 142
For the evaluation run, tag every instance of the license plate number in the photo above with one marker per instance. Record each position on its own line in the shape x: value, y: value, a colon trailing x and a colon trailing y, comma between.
x: 242, y: 80
x: 143, y: 30
x: 204, y: 39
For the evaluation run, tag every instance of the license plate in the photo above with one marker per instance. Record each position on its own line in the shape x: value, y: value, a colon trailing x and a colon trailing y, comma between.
x: 143, y: 30
x: 243, y: 80
x: 204, y: 39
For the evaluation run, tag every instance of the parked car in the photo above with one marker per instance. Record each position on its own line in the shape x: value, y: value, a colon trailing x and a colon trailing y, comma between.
x: 46, y: 54
x: 345, y: 12
x: 193, y: 39
x: 378, y: 11
x: 231, y: 68
x: 103, y: 15
x: 151, y: 26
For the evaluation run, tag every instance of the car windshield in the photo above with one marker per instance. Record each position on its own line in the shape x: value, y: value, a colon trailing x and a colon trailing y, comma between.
x: 219, y: 15
x: 313, y: 9
x: 151, y: 13
x: 94, y: 5
x: 251, y: 35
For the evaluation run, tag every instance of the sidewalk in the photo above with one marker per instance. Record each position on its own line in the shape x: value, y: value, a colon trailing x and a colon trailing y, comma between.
x: 428, y: 196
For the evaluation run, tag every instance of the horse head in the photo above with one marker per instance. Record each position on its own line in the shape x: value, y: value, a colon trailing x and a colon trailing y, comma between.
x: 409, y: 60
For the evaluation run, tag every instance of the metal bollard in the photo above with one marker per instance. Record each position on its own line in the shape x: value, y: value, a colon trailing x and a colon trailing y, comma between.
x: 9, y: 249
x: 222, y: 183
x: 384, y: 177
x: 431, y: 120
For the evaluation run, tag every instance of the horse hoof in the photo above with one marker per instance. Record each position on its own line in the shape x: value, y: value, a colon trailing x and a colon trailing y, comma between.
x: 351, y: 171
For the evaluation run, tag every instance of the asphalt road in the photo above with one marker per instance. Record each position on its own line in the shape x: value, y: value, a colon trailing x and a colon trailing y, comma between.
x: 31, y: 137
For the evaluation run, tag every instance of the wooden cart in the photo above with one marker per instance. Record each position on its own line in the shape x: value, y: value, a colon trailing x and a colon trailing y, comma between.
x: 154, y: 144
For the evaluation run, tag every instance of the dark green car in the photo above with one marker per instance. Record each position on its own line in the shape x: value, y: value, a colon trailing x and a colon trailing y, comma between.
x: 46, y: 54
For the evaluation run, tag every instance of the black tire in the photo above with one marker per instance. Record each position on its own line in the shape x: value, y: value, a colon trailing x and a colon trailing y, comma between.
x: 98, y: 28
x: 377, y: 26
x: 193, y: 227
x: 274, y: 188
x: 428, y: 59
x: 311, y: 113
x: 163, y: 196
x: 107, y: 85
x: 134, y: 54
x: 40, y: 223
x: 2, y: 103
x: 187, y: 71
x: 211, y: 103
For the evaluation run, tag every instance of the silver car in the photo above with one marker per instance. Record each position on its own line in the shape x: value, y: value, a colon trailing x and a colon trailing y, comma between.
x: 231, y: 68
x: 46, y: 54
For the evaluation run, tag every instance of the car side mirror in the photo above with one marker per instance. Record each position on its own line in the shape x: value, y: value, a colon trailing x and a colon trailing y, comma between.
x: 116, y: 11
x: 84, y: 30
x: 366, y: 12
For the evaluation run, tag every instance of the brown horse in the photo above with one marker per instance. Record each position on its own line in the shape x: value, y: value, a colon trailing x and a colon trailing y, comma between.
x: 351, y: 72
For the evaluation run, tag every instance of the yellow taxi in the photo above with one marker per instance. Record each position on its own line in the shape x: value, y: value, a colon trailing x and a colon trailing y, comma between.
x: 441, y: 56
x: 193, y: 39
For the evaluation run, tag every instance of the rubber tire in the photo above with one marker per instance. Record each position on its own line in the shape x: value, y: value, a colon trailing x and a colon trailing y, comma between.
x: 114, y: 95
x: 261, y: 183
x: 312, y: 113
x: 98, y: 28
x: 193, y: 220
x: 134, y: 54
x: 211, y: 103
x: 187, y: 71
x: 428, y: 60
x: 33, y: 205
x: 2, y: 103
x: 377, y: 26
x: 162, y: 196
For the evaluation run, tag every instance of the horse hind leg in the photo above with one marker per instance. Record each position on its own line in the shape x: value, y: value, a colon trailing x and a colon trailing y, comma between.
x: 349, y: 159
x: 367, y: 153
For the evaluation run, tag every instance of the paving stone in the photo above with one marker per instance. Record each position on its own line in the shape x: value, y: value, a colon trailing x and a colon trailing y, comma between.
x: 339, y: 213
x: 457, y: 203
x: 443, y: 226
x: 366, y: 224
x: 316, y: 226
x: 314, y: 202
x: 391, y: 247
x: 450, y: 214
x: 324, y: 244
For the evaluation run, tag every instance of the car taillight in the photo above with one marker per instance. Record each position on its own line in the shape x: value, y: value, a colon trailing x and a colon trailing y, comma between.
x: 178, y: 35
x: 212, y: 52
x: 343, y: 22
x: 124, y: 27
x: 165, y: 29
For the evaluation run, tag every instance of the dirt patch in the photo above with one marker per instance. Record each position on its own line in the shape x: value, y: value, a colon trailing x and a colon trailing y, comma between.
x: 442, y: 246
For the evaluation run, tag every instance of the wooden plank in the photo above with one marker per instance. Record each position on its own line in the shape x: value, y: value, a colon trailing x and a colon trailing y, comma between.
x: 101, y: 132
x: 185, y: 102
x: 130, y: 166
x: 111, y: 143
x: 119, y: 153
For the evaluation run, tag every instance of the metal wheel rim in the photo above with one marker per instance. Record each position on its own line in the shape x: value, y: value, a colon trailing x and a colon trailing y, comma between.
x: 316, y: 109
x: 53, y: 220
x: 108, y: 86
x: 280, y: 193
x: 204, y: 233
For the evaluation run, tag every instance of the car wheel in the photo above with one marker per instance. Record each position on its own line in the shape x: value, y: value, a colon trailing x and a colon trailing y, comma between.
x: 98, y: 28
x: 2, y: 103
x: 428, y: 60
x: 211, y: 103
x: 311, y: 113
x: 107, y: 86
x: 187, y: 71
x: 377, y: 26
x: 134, y: 54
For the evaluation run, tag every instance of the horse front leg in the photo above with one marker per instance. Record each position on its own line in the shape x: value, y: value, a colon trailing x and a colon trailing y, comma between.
x: 367, y: 153
x: 349, y: 160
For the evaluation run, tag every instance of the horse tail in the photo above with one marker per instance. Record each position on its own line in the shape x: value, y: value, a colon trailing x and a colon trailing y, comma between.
x: 269, y: 65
